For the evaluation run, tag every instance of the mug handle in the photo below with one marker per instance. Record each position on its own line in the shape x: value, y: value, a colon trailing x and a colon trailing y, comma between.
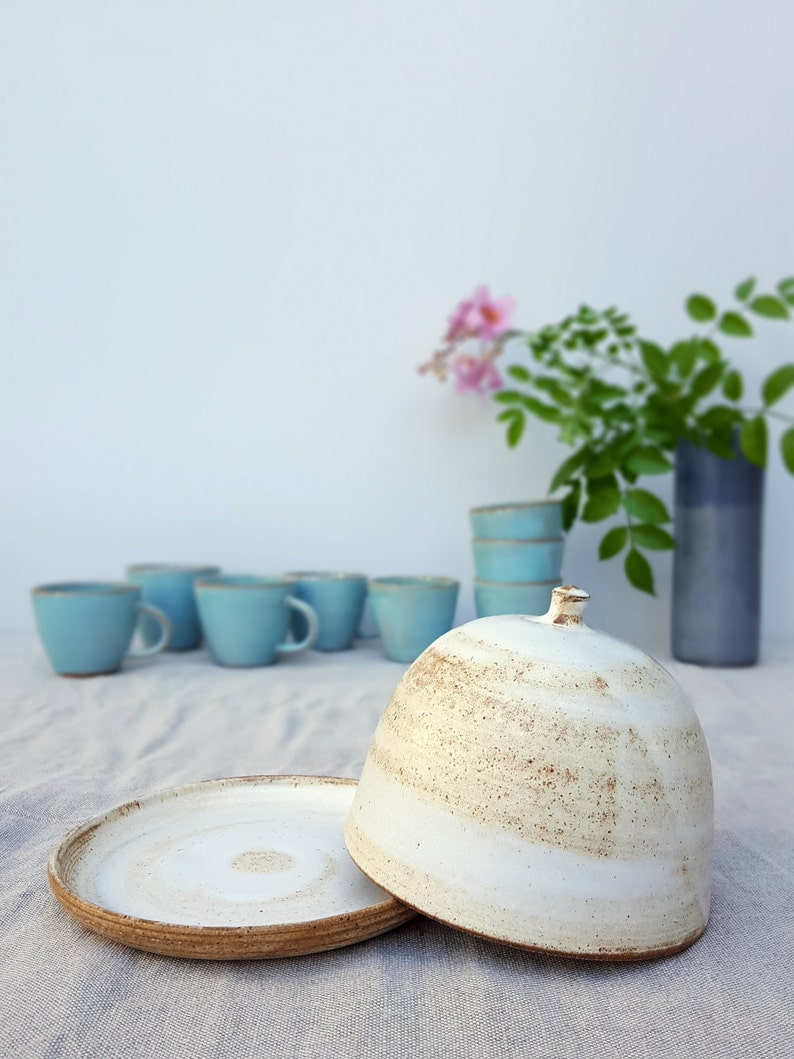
x: 165, y: 638
x: 311, y: 621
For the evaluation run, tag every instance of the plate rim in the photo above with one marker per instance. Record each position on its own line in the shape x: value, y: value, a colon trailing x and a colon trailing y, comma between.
x: 196, y: 941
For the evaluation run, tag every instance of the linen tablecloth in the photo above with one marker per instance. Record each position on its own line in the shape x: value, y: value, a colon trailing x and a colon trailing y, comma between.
x: 70, y: 749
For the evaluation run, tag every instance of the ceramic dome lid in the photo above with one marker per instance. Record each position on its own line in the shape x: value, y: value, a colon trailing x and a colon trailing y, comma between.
x: 543, y: 784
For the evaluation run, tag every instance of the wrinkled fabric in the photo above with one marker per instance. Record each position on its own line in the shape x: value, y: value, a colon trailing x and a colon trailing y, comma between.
x: 70, y: 749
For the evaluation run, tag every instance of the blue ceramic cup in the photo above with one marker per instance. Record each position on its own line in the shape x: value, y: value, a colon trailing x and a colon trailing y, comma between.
x: 527, y: 520
x: 170, y: 588
x: 501, y: 597
x: 246, y: 618
x: 87, y: 627
x: 412, y: 612
x: 338, y: 601
x: 518, y: 560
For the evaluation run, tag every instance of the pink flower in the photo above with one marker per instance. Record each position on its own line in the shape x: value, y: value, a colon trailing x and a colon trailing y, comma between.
x: 480, y: 316
x: 476, y: 374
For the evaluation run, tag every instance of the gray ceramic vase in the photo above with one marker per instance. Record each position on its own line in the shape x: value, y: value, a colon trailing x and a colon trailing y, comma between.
x: 717, y: 564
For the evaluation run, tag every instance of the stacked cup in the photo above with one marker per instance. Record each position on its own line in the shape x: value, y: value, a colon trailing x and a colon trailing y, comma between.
x: 518, y: 551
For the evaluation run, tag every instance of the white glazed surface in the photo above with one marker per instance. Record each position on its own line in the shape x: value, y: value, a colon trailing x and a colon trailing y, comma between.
x: 540, y: 783
x: 228, y: 853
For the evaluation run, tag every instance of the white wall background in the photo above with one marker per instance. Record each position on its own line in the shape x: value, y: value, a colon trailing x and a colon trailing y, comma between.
x: 232, y: 228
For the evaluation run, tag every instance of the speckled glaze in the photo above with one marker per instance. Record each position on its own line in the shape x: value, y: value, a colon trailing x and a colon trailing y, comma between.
x: 245, y: 868
x: 542, y: 784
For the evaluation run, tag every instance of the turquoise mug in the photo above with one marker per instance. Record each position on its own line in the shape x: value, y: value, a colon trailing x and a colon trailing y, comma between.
x: 169, y: 587
x: 501, y: 597
x: 246, y: 618
x: 412, y: 612
x: 86, y: 627
x: 337, y: 600
x: 518, y: 560
x: 525, y: 520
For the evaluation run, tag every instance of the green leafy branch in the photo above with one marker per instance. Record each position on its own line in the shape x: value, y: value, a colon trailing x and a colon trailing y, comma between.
x: 623, y: 403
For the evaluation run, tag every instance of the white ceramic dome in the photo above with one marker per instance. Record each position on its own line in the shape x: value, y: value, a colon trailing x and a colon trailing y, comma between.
x: 542, y: 784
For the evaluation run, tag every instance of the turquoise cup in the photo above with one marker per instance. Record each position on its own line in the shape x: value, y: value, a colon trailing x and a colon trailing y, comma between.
x: 337, y: 600
x: 170, y: 588
x: 526, y: 520
x: 498, y: 597
x: 518, y: 560
x: 412, y: 612
x: 246, y: 618
x: 86, y: 627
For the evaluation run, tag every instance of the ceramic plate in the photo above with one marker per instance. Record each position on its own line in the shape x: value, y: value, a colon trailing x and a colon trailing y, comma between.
x: 240, y: 868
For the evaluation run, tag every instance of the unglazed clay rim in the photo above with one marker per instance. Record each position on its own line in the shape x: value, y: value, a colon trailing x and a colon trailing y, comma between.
x: 221, y: 942
x: 518, y: 505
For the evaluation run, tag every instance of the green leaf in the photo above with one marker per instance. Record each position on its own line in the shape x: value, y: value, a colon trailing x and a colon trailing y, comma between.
x: 720, y: 445
x: 787, y: 449
x: 648, y: 459
x: 706, y: 379
x: 733, y: 386
x: 567, y: 468
x: 554, y: 388
x: 613, y: 542
x: 647, y: 536
x: 515, y: 420
x: 654, y: 358
x: 745, y: 289
x: 778, y: 384
x: 570, y: 505
x: 515, y: 429
x: 543, y: 411
x: 604, y: 391
x: 604, y: 462
x: 769, y: 305
x: 719, y: 417
x: 645, y: 506
x: 684, y: 355
x: 708, y: 350
x: 638, y: 571
x: 786, y: 289
x: 592, y: 338
x: 701, y: 308
x: 519, y: 373
x: 603, y: 498
x: 508, y: 397
x: 753, y: 440
x: 735, y: 325
x: 537, y: 347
